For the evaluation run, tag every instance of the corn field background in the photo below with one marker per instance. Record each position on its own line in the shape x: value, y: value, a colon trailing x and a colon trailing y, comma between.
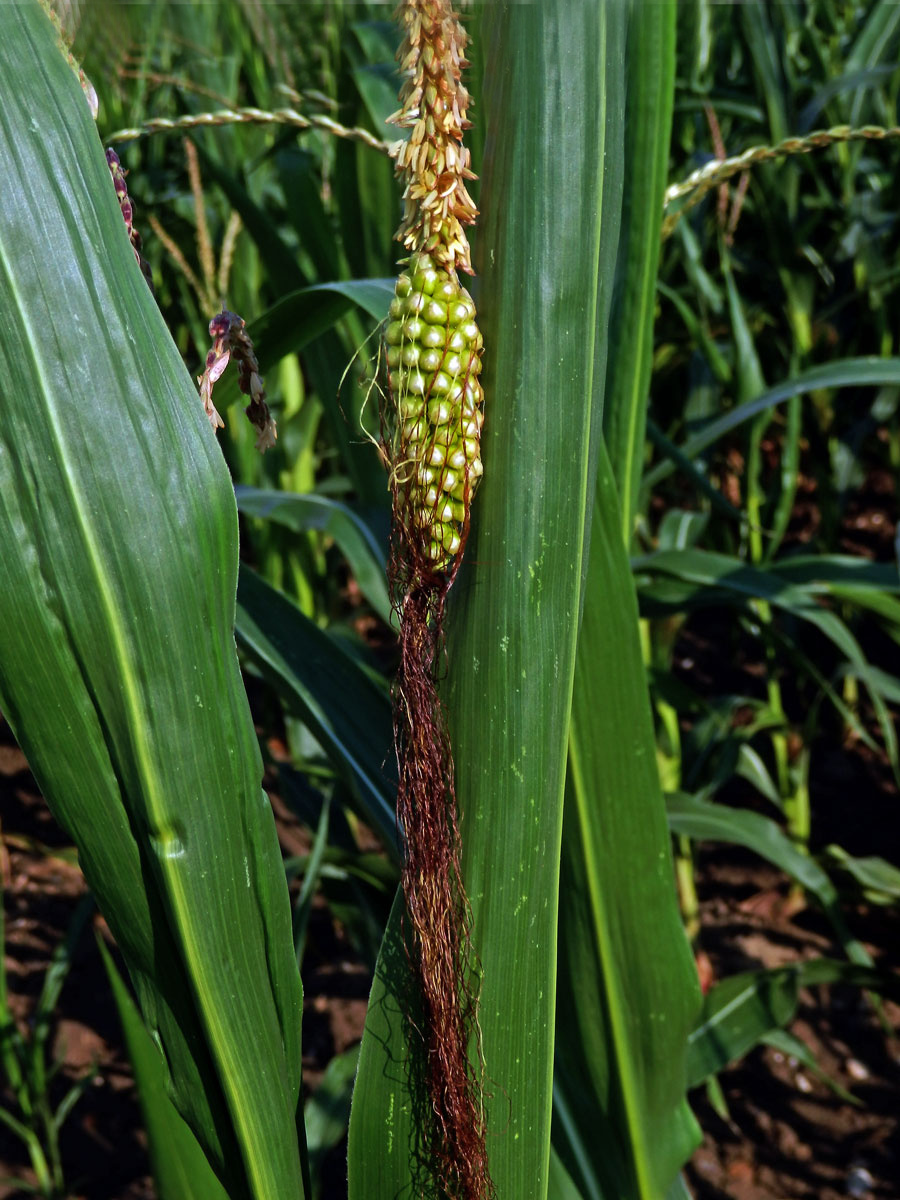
x: 672, y: 671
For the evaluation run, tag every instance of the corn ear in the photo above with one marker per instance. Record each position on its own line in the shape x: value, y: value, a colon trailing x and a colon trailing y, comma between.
x: 434, y: 359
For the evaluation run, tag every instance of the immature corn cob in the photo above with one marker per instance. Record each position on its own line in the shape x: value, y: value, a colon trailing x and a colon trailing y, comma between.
x: 434, y: 356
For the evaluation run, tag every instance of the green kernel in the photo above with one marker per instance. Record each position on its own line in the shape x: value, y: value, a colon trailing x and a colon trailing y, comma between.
x: 459, y: 311
x: 435, y: 312
x: 439, y: 412
x: 441, y: 383
x: 409, y: 407
x: 445, y: 535
x: 425, y: 281
x: 433, y: 337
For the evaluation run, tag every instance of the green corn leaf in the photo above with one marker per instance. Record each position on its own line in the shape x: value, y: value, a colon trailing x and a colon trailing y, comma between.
x: 650, y: 81
x: 875, y: 40
x: 315, y: 676
x: 792, y: 1047
x: 180, y: 1169
x: 301, y: 317
x: 704, y: 821
x: 766, y: 60
x: 628, y: 990
x: 741, y: 1010
x: 118, y: 535
x: 560, y: 1184
x: 848, y: 372
x: 821, y: 571
x: 623, y: 957
x: 353, y: 536
x: 713, y: 576
x: 878, y: 879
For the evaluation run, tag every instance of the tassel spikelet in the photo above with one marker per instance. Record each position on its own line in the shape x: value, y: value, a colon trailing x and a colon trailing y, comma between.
x: 231, y: 342
x: 432, y: 430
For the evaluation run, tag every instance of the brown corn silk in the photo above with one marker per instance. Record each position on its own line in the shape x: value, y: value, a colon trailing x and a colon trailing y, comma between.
x: 432, y: 434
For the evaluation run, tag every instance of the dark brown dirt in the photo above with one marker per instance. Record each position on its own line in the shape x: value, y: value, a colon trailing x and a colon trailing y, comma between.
x: 786, y: 1134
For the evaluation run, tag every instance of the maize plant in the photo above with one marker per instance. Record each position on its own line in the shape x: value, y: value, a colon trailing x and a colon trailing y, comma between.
x: 434, y: 416
x: 118, y: 672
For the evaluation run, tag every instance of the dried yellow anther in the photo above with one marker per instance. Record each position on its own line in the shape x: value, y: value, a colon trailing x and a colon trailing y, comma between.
x: 433, y: 163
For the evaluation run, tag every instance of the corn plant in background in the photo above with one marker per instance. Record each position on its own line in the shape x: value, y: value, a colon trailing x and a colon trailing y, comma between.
x: 764, y: 424
x: 118, y: 529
